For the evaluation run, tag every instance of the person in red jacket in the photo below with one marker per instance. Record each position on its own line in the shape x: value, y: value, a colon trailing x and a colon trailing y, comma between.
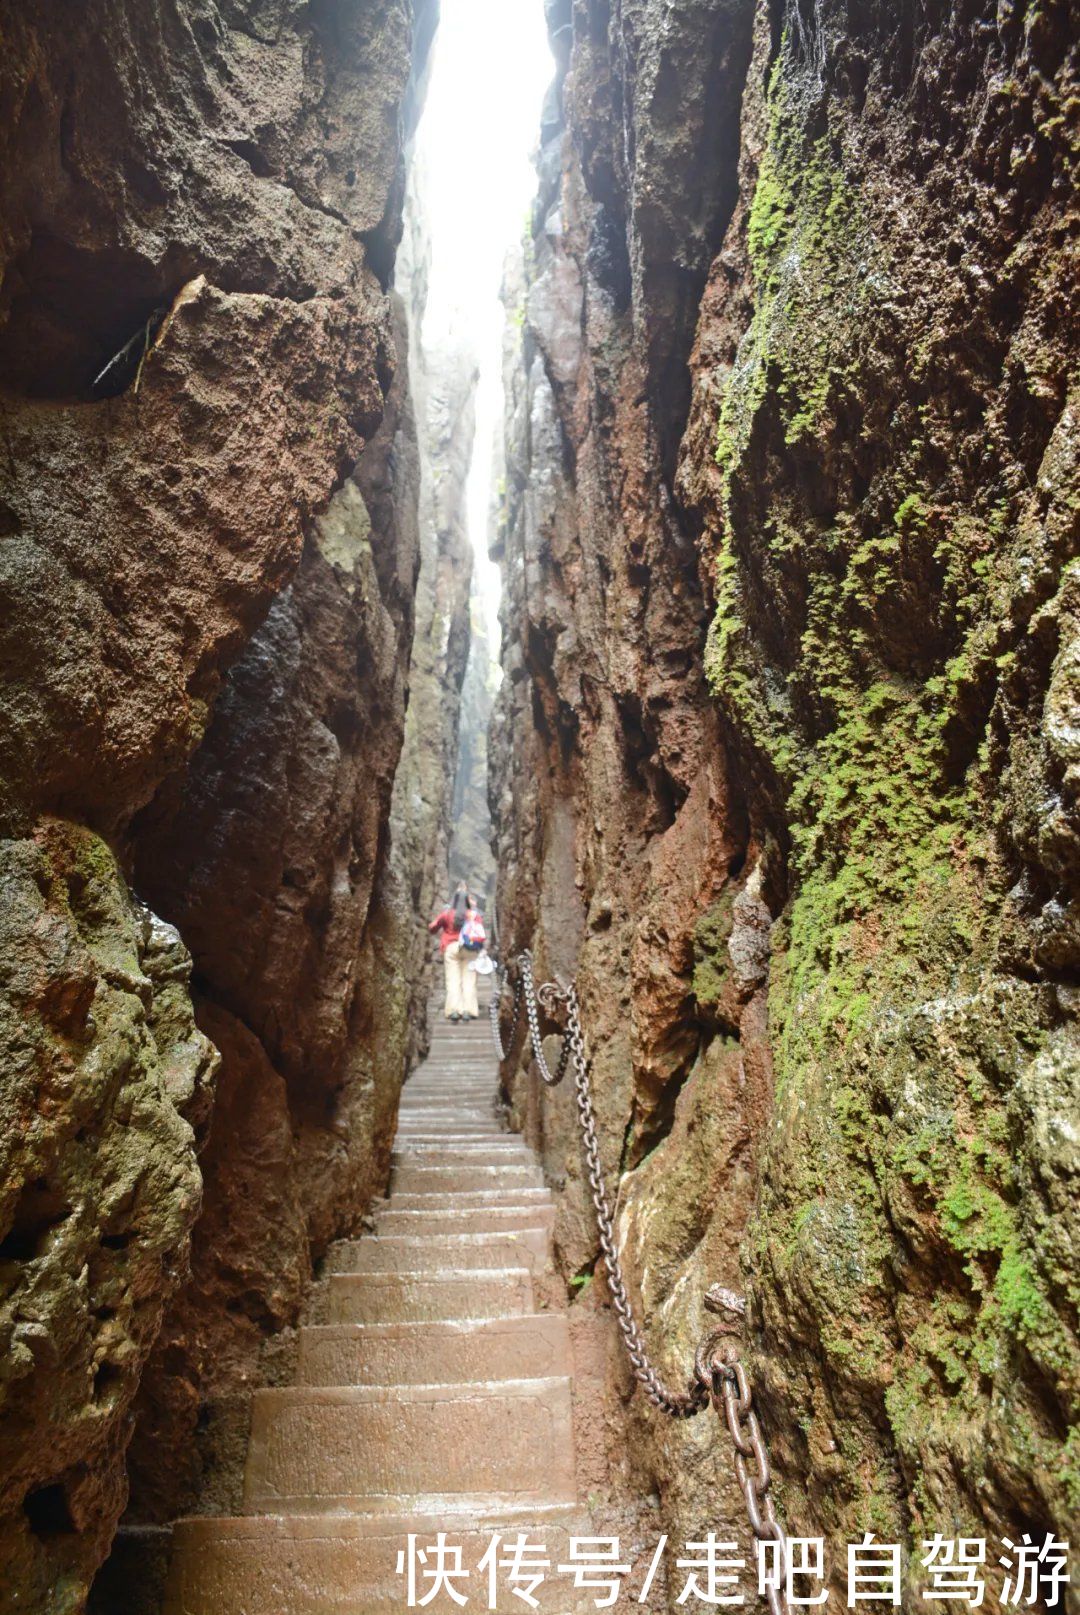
x: 461, y: 1004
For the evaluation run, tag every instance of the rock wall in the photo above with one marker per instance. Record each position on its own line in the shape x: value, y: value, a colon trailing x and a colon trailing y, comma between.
x: 270, y: 855
x: 782, y: 766
x: 205, y: 634
x: 444, y: 384
x: 470, y: 856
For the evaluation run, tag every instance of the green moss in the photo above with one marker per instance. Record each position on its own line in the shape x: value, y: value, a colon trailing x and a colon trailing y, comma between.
x: 810, y: 257
x: 1070, y: 1467
x: 712, y: 962
x: 857, y: 654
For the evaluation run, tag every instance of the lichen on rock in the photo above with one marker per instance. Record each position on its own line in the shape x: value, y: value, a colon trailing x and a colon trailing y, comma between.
x: 107, y: 1088
x: 783, y: 763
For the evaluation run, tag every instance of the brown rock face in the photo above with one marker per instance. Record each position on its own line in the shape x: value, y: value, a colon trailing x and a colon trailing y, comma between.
x: 106, y: 1082
x: 168, y: 178
x: 444, y: 386
x: 271, y: 854
x: 619, y: 825
x: 424, y: 786
x: 199, y: 210
x: 470, y: 856
x: 780, y: 766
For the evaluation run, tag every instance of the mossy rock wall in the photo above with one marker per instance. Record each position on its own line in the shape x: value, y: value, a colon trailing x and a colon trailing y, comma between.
x: 785, y: 767
x: 893, y: 648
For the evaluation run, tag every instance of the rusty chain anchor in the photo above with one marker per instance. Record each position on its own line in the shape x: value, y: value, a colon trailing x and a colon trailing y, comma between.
x: 719, y: 1375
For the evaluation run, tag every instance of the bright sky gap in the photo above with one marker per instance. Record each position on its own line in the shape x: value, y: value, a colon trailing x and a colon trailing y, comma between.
x: 475, y: 145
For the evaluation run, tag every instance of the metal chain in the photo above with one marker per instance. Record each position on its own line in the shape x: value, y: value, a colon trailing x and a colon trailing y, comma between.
x: 551, y: 1078
x: 679, y: 1404
x: 493, y: 1011
x: 719, y: 1375
x: 732, y: 1388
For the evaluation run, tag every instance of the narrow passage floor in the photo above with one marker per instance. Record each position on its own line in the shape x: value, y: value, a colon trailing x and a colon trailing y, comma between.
x: 435, y: 1398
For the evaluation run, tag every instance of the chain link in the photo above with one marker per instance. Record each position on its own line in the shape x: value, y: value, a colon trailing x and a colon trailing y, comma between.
x: 742, y: 1421
x: 679, y: 1404
x: 501, y: 978
x: 719, y: 1375
x: 551, y: 1078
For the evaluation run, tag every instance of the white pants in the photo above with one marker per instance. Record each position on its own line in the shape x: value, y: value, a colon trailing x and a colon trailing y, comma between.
x: 460, y: 981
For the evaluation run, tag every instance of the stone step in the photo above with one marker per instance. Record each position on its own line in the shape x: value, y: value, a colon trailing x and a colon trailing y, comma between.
x: 448, y: 1099
x: 469, y: 1199
x: 434, y: 1253
x: 450, y: 1107
x: 464, y: 1220
x: 454, y: 1101
x: 426, y: 1122
x: 425, y: 1297
x: 491, y: 1134
x: 508, y: 1143
x: 432, y: 1114
x: 447, y: 1104
x: 449, y: 1179
x: 467, y: 1064
x: 453, y: 1080
x: 423, y: 1121
x: 533, y: 1347
x: 315, y: 1449
x: 478, y: 1154
x: 347, y: 1564
x: 466, y: 1043
x: 451, y: 1090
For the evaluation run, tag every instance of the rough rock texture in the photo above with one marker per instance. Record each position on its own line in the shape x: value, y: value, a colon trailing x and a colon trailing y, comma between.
x: 270, y: 856
x: 795, y: 371
x: 618, y: 824
x: 212, y: 192
x: 470, y: 856
x: 444, y: 387
x: 105, y: 1078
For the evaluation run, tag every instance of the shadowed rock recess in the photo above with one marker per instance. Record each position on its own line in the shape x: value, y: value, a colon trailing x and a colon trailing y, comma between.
x: 785, y: 765
x: 208, y: 559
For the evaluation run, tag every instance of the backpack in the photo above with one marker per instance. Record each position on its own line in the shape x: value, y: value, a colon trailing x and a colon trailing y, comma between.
x: 473, y: 935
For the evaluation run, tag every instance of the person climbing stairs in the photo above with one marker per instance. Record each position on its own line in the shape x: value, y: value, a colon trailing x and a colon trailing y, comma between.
x: 434, y: 1397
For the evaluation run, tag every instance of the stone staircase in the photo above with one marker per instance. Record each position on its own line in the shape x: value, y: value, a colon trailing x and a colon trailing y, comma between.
x: 435, y: 1397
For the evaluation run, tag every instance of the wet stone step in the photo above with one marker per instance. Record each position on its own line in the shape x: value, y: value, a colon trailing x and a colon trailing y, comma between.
x: 533, y: 1347
x: 433, y: 1253
x: 504, y: 1139
x: 451, y: 1096
x: 506, y: 1143
x: 433, y: 1398
x: 449, y: 1179
x: 452, y: 1121
x: 407, y: 1137
x: 428, y: 1155
x: 326, y: 1565
x: 471, y: 1096
x: 463, y: 1220
x: 467, y: 1199
x: 446, y: 1104
x: 313, y: 1448
x: 422, y: 1297
x: 432, y: 1113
